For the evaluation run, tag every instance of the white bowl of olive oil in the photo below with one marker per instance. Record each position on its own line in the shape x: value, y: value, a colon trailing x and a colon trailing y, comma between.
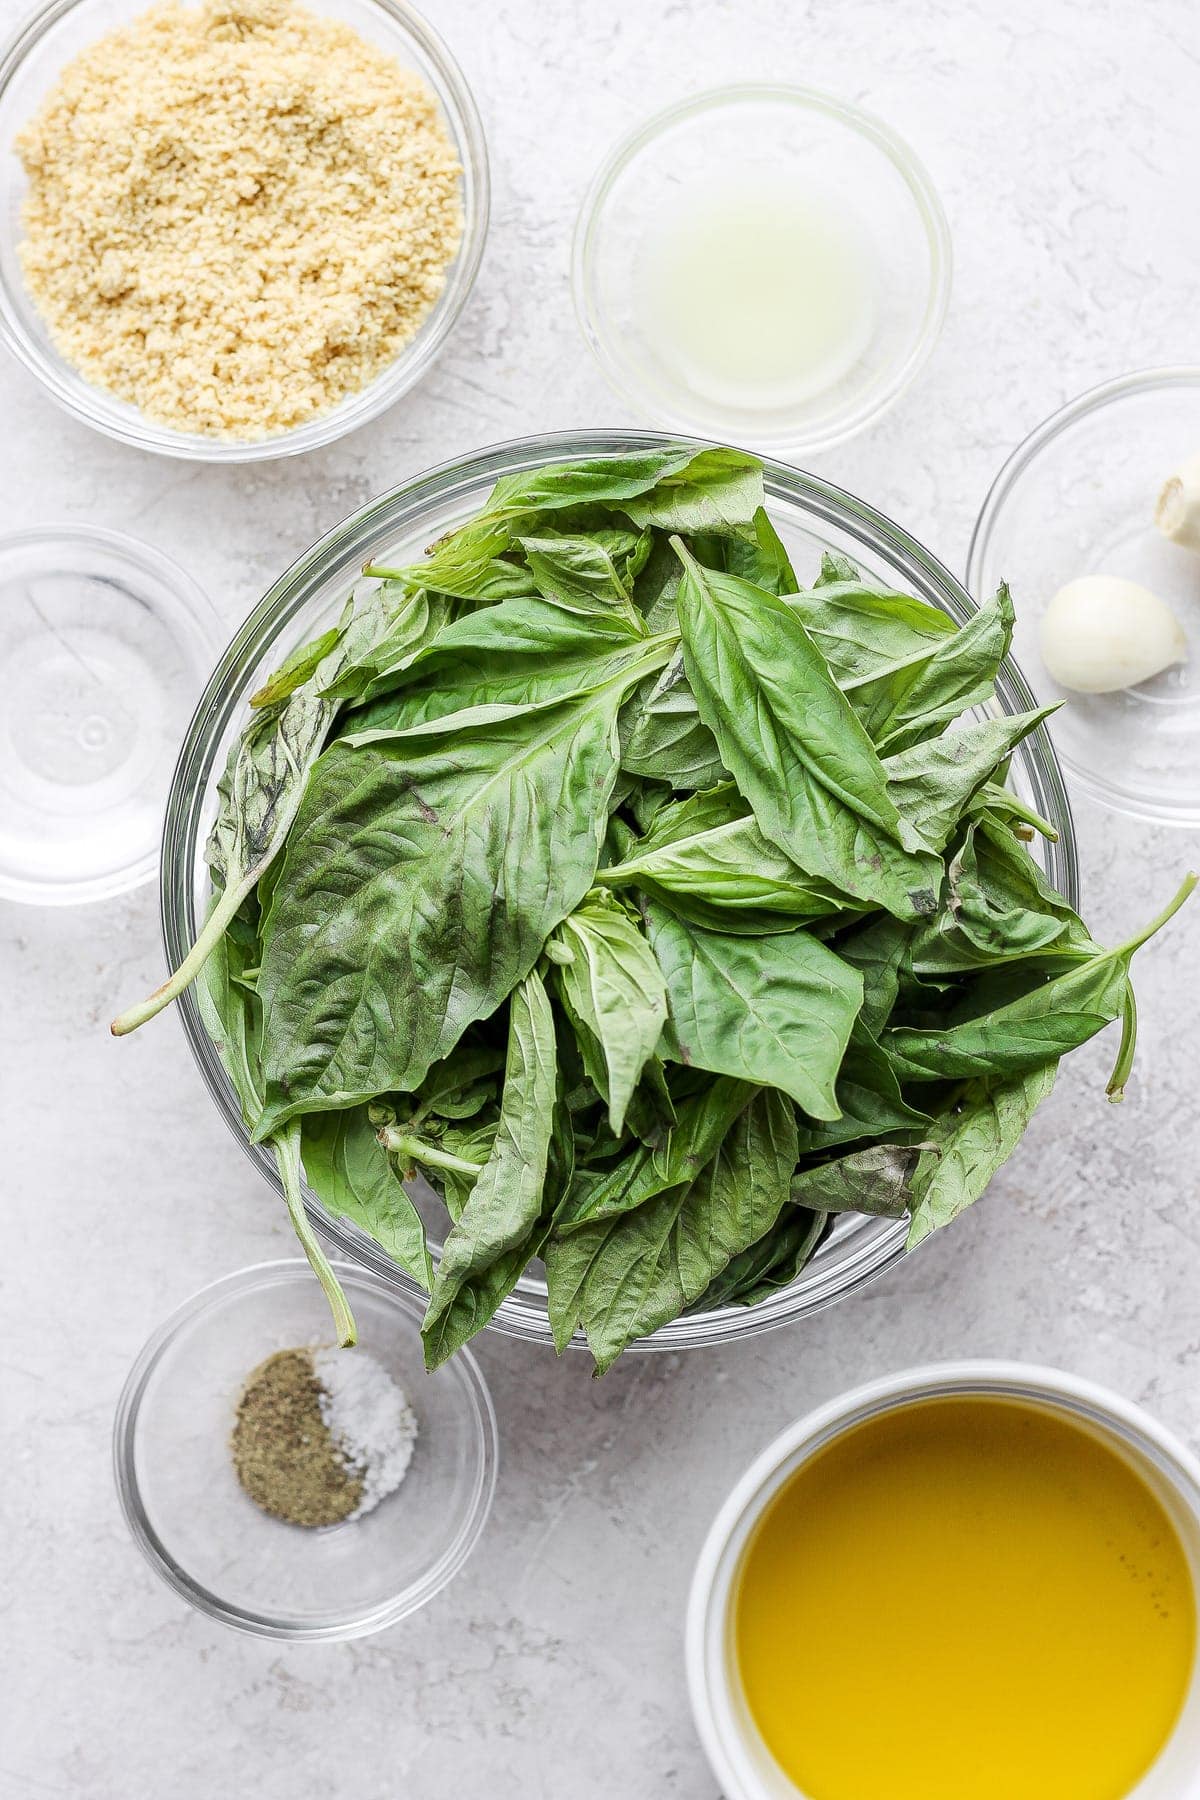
x: 975, y: 1581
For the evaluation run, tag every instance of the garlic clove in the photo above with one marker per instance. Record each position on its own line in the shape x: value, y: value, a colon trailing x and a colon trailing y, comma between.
x: 1177, y: 513
x: 1100, y: 634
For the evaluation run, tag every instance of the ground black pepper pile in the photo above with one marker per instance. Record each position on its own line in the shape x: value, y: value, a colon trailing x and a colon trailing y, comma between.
x: 282, y: 1451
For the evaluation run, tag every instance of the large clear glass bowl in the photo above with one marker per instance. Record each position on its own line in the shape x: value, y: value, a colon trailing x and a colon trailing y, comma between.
x: 811, y: 516
x: 30, y: 64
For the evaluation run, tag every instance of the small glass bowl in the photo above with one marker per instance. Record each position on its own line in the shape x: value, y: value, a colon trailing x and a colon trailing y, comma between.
x: 845, y: 162
x: 1077, y: 498
x: 211, y: 1543
x: 105, y: 644
x: 812, y: 516
x: 31, y: 63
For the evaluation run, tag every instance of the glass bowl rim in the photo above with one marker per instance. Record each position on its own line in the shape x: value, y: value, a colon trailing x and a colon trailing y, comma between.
x: 485, y: 1437
x: 199, y: 609
x: 54, y: 374
x: 868, y: 125
x: 223, y: 699
x: 1163, y: 378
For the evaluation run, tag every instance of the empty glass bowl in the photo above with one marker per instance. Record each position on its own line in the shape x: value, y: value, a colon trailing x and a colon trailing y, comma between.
x: 762, y: 264
x: 811, y: 516
x: 31, y: 64
x: 206, y: 1537
x: 1077, y: 498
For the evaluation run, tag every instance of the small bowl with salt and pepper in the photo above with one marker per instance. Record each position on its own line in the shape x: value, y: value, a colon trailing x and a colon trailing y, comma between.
x: 343, y: 1488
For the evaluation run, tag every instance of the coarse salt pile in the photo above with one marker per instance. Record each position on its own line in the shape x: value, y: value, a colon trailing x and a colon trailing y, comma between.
x: 369, y: 1419
x: 238, y: 214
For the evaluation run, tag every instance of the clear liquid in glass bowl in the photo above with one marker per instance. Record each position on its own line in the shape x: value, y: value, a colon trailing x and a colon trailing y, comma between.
x: 811, y: 517
x: 104, y: 645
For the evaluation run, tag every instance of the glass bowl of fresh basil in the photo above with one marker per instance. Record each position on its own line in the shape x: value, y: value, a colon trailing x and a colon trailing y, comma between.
x: 813, y: 521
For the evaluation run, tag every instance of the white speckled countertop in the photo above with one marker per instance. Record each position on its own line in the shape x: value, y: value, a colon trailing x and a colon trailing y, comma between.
x: 1063, y: 135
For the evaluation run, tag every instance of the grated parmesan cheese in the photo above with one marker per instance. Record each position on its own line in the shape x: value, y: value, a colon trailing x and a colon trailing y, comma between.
x: 238, y: 213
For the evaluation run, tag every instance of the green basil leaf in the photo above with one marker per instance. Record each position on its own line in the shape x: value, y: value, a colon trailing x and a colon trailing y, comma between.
x: 469, y: 564
x: 579, y: 574
x: 777, y: 1011
x: 970, y: 1144
x: 869, y: 1096
x: 1037, y: 1027
x: 346, y: 1165
x: 508, y: 1197
x: 999, y: 910
x: 296, y: 669
x: 623, y: 1278
x: 677, y: 489
x: 793, y: 744
x: 707, y: 850
x: 769, y: 1266
x: 702, y: 1122
x: 615, y: 989
x: 231, y: 1014
x: 903, y: 707
x: 873, y: 1181
x: 760, y: 556
x: 423, y: 876
x: 518, y: 653
x: 933, y: 782
x: 877, y: 948
x: 863, y: 632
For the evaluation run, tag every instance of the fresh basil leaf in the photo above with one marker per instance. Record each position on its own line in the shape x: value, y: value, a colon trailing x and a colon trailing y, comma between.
x: 231, y: 1014
x: 769, y: 1266
x: 397, y: 625
x: 614, y: 988
x: 1012, y: 811
x: 793, y: 745
x: 707, y: 851
x: 873, y: 1181
x: 676, y: 489
x: 869, y: 1096
x: 778, y: 1011
x: 346, y: 1165
x: 760, y: 556
x: 670, y: 745
x: 624, y: 1278
x: 836, y: 568
x: 877, y: 948
x: 296, y: 669
x: 580, y: 575
x: 933, y: 782
x: 999, y: 910
x: 423, y: 876
x: 1039, y: 1026
x: 970, y: 1144
x: 702, y: 1123
x: 862, y: 632
x: 508, y: 1197
x: 900, y: 708
x: 518, y: 653
x: 469, y: 564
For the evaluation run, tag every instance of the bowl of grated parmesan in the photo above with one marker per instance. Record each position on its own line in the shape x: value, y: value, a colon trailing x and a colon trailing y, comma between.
x: 234, y: 229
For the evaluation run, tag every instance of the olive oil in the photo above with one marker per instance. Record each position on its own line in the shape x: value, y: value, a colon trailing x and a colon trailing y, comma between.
x: 965, y: 1599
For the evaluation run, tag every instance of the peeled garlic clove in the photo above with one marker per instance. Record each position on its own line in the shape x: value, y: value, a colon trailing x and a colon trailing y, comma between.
x: 1100, y: 633
x: 1177, y: 514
